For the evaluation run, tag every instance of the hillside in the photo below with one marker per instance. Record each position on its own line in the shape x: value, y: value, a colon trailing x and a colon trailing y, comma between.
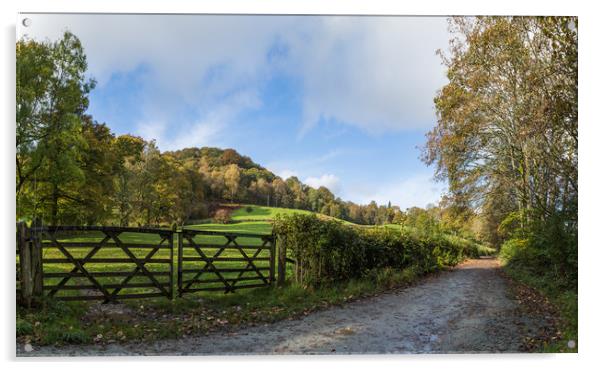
x: 254, y: 219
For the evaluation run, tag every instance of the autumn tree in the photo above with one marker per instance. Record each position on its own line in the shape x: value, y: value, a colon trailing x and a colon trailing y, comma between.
x: 128, y: 151
x: 99, y: 163
x: 507, y: 127
x: 231, y: 180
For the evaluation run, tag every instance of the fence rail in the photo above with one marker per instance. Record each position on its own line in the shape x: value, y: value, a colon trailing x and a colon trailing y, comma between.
x: 114, y: 263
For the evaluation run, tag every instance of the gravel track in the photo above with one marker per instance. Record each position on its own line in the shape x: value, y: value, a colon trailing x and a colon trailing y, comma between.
x: 468, y: 309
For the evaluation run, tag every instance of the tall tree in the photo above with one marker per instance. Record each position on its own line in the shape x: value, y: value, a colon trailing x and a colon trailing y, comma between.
x: 232, y: 180
x: 507, y: 125
x: 52, y: 96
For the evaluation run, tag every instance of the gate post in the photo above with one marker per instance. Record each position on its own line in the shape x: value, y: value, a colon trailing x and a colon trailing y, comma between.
x: 37, y: 266
x: 30, y: 262
x: 281, y: 259
x: 180, y: 252
x: 25, y: 276
x: 171, y: 270
x: 272, y: 258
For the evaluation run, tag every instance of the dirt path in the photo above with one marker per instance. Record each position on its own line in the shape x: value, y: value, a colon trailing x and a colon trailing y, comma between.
x: 468, y: 309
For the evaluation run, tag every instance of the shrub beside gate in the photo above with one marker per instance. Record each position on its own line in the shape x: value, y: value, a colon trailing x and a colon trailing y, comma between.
x: 327, y: 250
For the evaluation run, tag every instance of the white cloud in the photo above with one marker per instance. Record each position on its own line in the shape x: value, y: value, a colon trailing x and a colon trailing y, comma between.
x: 376, y: 73
x: 200, y: 72
x: 151, y: 130
x: 286, y: 173
x: 207, y: 131
x: 418, y: 190
x: 203, y: 133
x: 328, y: 180
x: 379, y: 74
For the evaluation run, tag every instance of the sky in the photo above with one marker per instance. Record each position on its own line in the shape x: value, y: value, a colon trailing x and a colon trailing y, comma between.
x: 343, y: 102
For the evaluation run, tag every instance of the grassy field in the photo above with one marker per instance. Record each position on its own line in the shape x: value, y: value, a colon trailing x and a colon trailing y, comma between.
x: 259, y: 213
x: 258, y: 220
x: 267, y: 214
x: 258, y: 227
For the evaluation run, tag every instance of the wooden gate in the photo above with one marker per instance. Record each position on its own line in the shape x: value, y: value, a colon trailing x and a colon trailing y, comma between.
x: 106, y: 263
x: 215, y: 261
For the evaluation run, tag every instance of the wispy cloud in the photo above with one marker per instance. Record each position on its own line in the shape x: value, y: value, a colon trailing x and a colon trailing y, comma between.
x: 328, y: 180
x: 208, y: 130
x: 417, y: 190
x: 366, y: 72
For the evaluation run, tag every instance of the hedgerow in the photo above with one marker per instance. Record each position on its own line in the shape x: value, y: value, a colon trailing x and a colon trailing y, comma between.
x: 326, y: 251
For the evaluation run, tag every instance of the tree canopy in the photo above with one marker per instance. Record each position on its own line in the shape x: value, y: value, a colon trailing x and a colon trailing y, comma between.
x: 506, y: 137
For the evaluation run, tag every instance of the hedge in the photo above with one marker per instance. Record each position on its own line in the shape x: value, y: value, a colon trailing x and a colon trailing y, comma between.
x: 327, y: 250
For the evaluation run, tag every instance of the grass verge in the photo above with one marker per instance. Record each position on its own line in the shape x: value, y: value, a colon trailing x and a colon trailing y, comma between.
x: 60, y: 323
x: 564, y: 301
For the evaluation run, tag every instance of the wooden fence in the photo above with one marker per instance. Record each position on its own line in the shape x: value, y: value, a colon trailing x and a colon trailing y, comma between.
x: 113, y: 263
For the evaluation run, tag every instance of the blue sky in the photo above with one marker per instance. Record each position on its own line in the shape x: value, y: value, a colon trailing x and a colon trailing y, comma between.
x: 338, y: 101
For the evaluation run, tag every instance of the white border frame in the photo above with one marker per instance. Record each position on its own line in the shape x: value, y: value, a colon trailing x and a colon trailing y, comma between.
x: 589, y: 205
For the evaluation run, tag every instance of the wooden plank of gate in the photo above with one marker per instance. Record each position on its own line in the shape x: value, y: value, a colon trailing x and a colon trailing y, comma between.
x: 136, y: 270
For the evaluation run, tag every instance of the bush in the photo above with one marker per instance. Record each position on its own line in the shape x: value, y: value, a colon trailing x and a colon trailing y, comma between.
x: 249, y: 209
x: 23, y: 327
x: 545, y: 248
x: 328, y: 250
x: 221, y: 216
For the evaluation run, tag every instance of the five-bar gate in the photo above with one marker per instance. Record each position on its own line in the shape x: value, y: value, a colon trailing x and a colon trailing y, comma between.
x: 106, y: 263
x: 213, y: 261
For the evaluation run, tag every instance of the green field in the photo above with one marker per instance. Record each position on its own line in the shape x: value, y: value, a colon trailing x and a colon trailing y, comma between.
x: 259, y: 213
x: 259, y: 220
x: 255, y: 227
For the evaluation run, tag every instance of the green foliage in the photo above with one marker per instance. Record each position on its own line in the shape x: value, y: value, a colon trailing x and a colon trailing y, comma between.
x: 52, y: 96
x: 506, y: 139
x: 23, y: 327
x: 547, y: 248
x: 543, y: 254
x: 60, y: 334
x: 327, y: 250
